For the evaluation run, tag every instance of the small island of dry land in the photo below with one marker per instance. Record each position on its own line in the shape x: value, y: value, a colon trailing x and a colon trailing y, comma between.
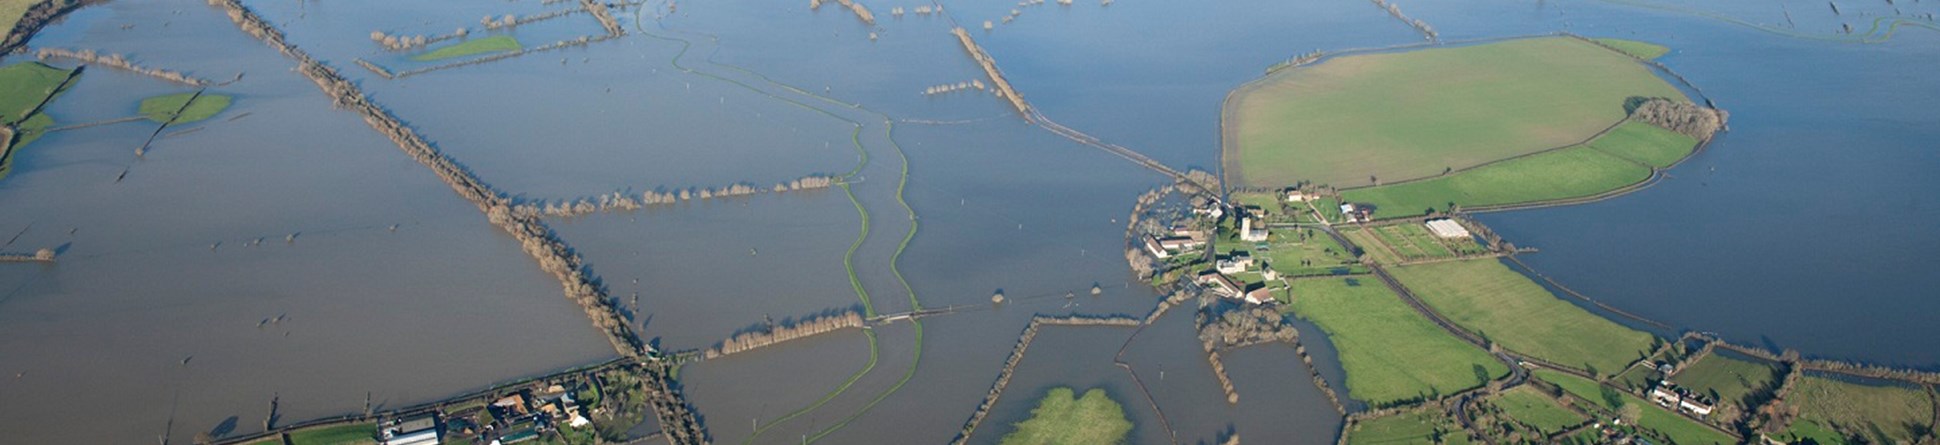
x: 1062, y: 417
x: 1515, y: 122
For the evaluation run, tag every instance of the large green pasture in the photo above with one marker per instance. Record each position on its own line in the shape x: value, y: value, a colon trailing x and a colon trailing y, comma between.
x: 23, y: 86
x: 1486, y: 297
x: 1391, y: 352
x: 1414, y: 114
x: 1429, y: 426
x: 1529, y: 405
x: 1881, y: 413
x: 1727, y: 379
x: 1617, y: 159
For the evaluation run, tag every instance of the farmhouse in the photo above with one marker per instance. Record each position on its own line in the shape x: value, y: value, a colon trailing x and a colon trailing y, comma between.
x: 1262, y: 295
x: 1220, y: 284
x: 1447, y: 228
x: 1298, y: 196
x: 1239, y: 262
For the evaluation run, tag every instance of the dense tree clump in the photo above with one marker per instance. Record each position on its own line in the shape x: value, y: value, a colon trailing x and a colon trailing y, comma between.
x: 1683, y: 117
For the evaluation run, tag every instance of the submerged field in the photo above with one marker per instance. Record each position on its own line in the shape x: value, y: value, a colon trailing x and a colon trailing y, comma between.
x: 1619, y: 158
x: 1391, y: 353
x: 1362, y: 119
x: 1486, y: 297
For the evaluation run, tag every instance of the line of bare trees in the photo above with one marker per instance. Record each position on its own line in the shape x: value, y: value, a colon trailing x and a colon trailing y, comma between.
x: 120, y: 62
x: 954, y: 87
x: 773, y: 334
x: 580, y: 41
x: 510, y: 21
x: 1219, y: 371
x: 405, y: 43
x: 989, y: 65
x: 1256, y: 324
x: 1426, y: 30
x: 44, y: 255
x: 618, y: 201
x: 1683, y: 117
x: 1017, y: 354
x: 605, y: 17
x: 554, y: 256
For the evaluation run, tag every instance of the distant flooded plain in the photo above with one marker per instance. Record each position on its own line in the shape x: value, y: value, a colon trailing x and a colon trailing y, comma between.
x: 286, y: 252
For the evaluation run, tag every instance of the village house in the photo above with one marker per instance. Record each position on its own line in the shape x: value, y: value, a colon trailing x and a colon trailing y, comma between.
x: 1262, y: 295
x: 1168, y: 246
x: 1356, y: 212
x: 1671, y: 396
x: 1298, y: 196
x: 1220, y: 284
x: 1447, y: 228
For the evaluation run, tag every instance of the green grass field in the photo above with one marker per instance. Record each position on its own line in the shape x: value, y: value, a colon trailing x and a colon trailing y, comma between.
x: 1411, y: 241
x: 1390, y: 352
x: 1643, y: 50
x: 1650, y: 416
x: 1289, y: 247
x: 1645, y: 143
x: 1371, y: 246
x: 24, y: 85
x: 1573, y: 172
x: 1726, y: 379
x: 1529, y: 405
x: 1061, y: 418
x: 1398, y: 116
x: 162, y: 108
x: 353, y: 434
x: 484, y: 45
x: 1487, y: 297
x: 1419, y: 427
x: 1886, y: 414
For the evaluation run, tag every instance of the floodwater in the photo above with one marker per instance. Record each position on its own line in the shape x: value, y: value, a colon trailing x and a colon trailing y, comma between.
x: 142, y: 329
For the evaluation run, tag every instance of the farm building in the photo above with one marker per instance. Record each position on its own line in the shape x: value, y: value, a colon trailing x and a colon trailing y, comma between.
x: 1447, y: 228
